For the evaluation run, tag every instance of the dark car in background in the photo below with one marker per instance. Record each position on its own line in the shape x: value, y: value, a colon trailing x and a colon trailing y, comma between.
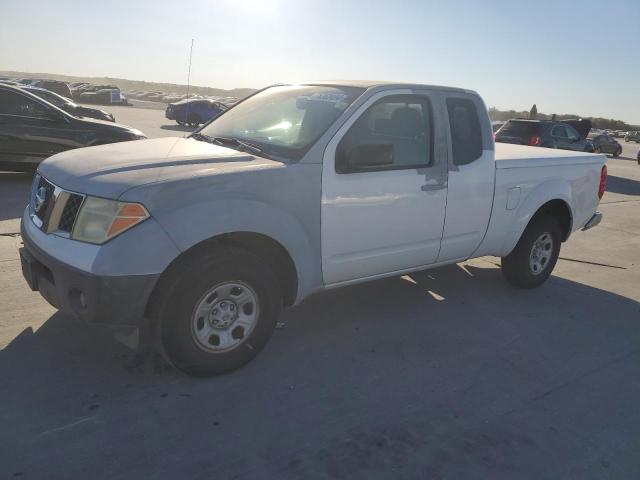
x: 69, y: 106
x: 603, y: 143
x: 632, y: 137
x: 55, y: 86
x: 32, y: 129
x: 565, y: 135
x: 194, y: 112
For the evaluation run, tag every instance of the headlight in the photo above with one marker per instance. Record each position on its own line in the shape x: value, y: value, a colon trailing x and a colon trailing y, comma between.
x: 101, y: 219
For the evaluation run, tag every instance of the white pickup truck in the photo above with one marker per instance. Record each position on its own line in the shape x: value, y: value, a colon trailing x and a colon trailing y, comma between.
x: 296, y: 189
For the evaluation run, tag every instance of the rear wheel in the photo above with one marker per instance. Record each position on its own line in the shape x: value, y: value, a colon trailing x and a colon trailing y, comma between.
x: 218, y: 311
x: 181, y: 123
x: 532, y: 261
x: 618, y: 152
x: 597, y: 150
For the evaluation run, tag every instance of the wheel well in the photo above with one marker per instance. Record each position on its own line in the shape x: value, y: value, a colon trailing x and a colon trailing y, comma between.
x: 559, y: 210
x: 263, y: 246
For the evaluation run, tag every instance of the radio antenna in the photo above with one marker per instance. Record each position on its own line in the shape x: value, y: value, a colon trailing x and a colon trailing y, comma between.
x: 189, y: 84
x: 189, y: 72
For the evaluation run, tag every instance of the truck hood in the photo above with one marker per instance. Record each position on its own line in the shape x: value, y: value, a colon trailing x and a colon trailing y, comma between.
x: 110, y: 170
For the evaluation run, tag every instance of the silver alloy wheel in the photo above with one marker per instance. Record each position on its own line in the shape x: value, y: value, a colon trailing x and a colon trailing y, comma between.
x: 224, y: 316
x: 541, y: 253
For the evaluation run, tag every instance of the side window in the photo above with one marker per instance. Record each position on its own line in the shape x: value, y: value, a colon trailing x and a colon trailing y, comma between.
x: 19, y: 105
x: 573, y: 134
x: 393, y: 133
x: 559, y: 131
x: 466, y: 134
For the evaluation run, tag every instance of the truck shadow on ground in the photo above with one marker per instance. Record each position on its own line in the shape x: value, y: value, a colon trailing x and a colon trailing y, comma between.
x: 406, y: 370
x: 14, y: 191
x: 625, y: 186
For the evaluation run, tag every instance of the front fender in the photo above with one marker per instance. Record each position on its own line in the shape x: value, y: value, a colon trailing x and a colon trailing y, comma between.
x: 552, y: 189
x: 281, y: 204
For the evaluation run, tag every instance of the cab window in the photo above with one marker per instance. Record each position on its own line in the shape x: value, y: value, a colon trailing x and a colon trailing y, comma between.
x: 392, y: 134
x: 466, y: 133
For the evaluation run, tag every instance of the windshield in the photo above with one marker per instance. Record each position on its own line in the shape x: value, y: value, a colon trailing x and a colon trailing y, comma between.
x: 285, y: 120
x: 52, y: 97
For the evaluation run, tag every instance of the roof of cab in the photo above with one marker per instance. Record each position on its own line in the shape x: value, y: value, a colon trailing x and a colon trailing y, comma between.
x: 383, y: 83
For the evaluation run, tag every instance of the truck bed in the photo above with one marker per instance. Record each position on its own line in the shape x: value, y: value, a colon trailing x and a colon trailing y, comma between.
x: 519, y: 156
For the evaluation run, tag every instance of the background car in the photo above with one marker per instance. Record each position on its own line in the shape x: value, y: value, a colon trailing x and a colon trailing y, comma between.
x: 194, y: 112
x: 33, y: 129
x: 89, y: 88
x: 69, y: 106
x: 632, y: 137
x: 497, y: 125
x: 55, y: 86
x: 565, y: 135
x: 603, y: 143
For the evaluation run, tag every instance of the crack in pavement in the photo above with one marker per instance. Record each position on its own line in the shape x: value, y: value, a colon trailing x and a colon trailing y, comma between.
x: 591, y: 263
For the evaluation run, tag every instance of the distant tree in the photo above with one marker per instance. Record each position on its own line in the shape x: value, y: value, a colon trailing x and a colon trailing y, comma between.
x: 596, y: 122
x: 533, y: 113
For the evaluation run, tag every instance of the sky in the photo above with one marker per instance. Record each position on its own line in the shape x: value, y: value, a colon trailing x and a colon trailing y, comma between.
x: 566, y: 56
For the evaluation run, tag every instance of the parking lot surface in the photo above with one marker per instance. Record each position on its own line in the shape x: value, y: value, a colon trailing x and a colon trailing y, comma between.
x: 449, y: 373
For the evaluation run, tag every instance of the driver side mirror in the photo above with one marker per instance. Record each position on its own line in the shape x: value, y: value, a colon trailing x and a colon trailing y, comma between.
x: 364, y: 157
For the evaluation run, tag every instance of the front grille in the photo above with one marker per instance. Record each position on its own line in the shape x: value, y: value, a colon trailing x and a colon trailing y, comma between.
x: 70, y: 212
x: 53, y: 209
x: 45, y: 191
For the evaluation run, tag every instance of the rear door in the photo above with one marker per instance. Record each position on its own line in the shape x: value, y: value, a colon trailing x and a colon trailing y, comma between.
x: 471, y: 176
x: 384, y: 188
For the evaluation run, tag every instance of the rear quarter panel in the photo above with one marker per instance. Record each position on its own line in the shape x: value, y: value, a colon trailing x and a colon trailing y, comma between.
x: 521, y: 190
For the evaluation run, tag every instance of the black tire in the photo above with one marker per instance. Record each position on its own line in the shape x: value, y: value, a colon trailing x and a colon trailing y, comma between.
x: 516, y: 266
x: 180, y: 123
x: 597, y: 150
x: 617, y: 153
x: 188, y: 283
x: 194, y: 120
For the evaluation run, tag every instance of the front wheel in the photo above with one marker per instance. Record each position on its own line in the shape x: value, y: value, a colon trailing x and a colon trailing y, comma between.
x: 617, y: 153
x: 218, y: 311
x: 181, y: 123
x: 534, y: 257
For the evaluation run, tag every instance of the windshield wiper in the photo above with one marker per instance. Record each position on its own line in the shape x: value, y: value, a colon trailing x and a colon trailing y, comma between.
x: 252, y: 147
x: 201, y: 137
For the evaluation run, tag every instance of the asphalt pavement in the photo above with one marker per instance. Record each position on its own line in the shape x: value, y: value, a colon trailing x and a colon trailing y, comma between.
x: 449, y: 373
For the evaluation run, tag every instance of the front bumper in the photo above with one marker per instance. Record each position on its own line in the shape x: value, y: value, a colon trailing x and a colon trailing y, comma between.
x: 595, y: 219
x: 118, y: 301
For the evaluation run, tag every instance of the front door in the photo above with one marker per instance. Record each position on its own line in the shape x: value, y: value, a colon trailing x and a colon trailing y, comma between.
x: 384, y: 188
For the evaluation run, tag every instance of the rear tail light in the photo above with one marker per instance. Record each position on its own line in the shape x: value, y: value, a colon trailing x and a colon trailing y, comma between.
x: 603, y: 182
x: 535, y: 141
